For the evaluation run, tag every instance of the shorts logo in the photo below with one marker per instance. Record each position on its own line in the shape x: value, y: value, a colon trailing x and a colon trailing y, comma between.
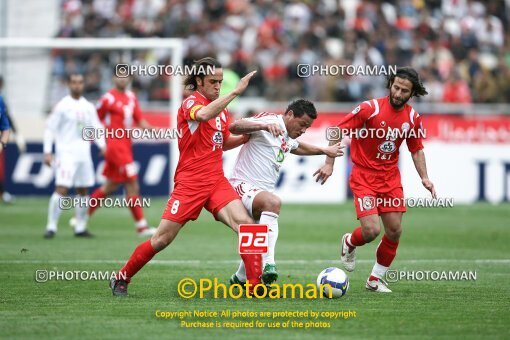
x: 217, y: 138
x: 387, y: 147
x: 368, y: 203
x: 356, y: 110
x: 253, y: 238
x: 190, y: 104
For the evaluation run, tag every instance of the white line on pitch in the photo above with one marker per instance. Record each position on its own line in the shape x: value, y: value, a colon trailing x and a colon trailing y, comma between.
x: 200, y: 262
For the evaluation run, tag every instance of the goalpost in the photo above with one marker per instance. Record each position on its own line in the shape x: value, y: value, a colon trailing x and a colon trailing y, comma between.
x: 176, y: 46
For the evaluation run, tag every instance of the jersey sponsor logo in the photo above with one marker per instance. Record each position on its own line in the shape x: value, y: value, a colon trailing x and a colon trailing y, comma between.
x: 356, y: 110
x: 281, y: 156
x: 190, y: 104
x: 253, y: 238
x: 387, y: 147
x: 217, y: 138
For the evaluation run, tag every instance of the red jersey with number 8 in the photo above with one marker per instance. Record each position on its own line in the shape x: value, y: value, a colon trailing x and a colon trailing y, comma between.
x: 201, y: 144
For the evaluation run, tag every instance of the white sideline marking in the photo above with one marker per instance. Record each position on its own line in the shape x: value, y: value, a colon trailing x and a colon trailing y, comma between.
x: 200, y: 262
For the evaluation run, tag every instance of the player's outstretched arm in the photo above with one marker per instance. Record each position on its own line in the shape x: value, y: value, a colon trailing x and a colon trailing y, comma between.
x: 325, y: 171
x: 304, y: 149
x: 243, y: 126
x: 421, y: 167
x: 233, y: 142
x: 215, y: 107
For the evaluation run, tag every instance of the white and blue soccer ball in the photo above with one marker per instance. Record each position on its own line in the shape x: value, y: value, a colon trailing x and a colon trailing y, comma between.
x: 336, y: 278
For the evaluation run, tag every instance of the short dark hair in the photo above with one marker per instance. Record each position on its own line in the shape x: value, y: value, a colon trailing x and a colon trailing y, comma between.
x: 301, y: 106
x: 73, y: 74
x: 410, y: 74
x: 191, y: 79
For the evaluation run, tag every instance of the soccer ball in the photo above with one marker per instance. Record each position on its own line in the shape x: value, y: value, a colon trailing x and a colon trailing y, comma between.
x: 336, y: 278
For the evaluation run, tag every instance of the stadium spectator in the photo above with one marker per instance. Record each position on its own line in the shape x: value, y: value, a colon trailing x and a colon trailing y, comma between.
x: 435, y: 37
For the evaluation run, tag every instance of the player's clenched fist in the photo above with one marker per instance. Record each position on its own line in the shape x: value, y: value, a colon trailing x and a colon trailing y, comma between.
x: 48, y: 158
x: 243, y: 83
x: 274, y: 129
x: 335, y: 150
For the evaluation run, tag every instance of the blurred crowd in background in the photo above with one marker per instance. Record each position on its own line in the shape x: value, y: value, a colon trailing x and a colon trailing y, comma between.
x: 461, y: 48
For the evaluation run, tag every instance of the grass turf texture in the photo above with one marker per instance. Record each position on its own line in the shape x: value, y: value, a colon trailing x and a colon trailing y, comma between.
x: 452, y: 239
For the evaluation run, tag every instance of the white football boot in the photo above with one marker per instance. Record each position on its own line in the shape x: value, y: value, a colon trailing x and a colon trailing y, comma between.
x: 378, y: 286
x: 348, y: 258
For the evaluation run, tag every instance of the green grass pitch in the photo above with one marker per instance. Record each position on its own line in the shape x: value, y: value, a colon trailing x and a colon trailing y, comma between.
x: 464, y: 238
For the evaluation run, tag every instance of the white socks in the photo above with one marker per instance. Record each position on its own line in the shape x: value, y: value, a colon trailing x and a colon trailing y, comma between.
x: 271, y: 220
x: 141, y: 224
x: 81, y: 214
x: 379, y: 271
x: 241, y: 272
x: 53, y: 212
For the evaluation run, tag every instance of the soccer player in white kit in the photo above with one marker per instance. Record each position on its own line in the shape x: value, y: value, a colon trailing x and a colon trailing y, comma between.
x: 257, y: 168
x: 72, y: 162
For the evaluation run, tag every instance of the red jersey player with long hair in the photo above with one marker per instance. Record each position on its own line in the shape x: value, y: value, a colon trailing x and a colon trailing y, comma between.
x: 118, y: 109
x: 375, y: 176
x: 199, y: 178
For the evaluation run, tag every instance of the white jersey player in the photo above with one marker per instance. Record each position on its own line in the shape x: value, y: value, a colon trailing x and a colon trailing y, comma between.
x: 257, y: 168
x: 72, y: 162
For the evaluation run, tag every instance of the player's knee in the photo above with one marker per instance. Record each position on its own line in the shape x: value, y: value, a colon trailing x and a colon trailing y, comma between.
x: 272, y: 204
x: 370, y: 231
x: 394, y: 233
x: 161, y: 241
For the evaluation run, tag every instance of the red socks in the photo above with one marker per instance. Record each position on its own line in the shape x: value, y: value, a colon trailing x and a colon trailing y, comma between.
x: 253, y: 265
x: 386, y: 251
x: 135, y: 207
x: 142, y: 254
x: 96, y: 196
x: 356, y: 238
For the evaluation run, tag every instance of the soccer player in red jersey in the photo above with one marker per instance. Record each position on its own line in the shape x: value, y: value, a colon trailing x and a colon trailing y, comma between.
x: 199, y: 178
x: 118, y: 109
x: 375, y: 176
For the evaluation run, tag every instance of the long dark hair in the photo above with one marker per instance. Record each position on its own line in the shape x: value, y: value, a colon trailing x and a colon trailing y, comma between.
x: 410, y: 74
x: 202, y: 64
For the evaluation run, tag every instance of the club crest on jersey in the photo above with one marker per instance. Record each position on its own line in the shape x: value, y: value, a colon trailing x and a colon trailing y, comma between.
x: 190, y: 104
x: 368, y: 202
x: 356, y: 110
x: 405, y: 126
x: 217, y: 138
x: 383, y: 123
x: 387, y: 147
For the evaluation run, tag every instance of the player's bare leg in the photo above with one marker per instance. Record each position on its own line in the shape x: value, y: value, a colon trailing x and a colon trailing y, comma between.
x: 367, y: 232
x: 265, y: 210
x: 133, y: 195
x: 103, y: 191
x: 165, y: 234
x: 386, y: 251
x: 80, y: 225
x: 54, y: 211
x: 234, y: 214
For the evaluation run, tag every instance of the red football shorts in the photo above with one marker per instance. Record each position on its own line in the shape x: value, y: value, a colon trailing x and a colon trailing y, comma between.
x: 376, y: 192
x: 188, y: 199
x: 120, y: 172
x: 119, y: 164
